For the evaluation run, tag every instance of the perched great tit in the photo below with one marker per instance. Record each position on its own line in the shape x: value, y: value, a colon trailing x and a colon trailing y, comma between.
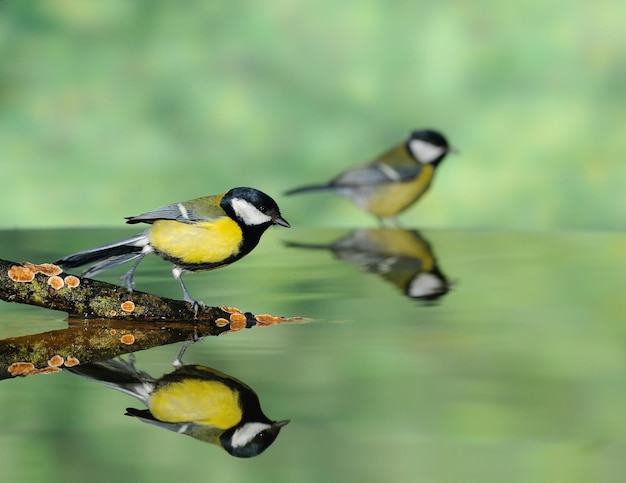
x: 195, y: 400
x: 402, y: 257
x: 392, y: 182
x: 201, y: 234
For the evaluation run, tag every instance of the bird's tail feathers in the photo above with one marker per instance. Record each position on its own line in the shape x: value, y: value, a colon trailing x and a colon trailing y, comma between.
x: 106, y: 256
x: 118, y: 374
x: 309, y: 246
x: 309, y: 189
x: 110, y: 262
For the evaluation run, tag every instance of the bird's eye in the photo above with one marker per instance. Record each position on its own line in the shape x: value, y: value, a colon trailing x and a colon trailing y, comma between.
x: 262, y: 209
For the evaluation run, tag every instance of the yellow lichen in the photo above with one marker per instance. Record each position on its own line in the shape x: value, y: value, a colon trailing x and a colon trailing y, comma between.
x: 71, y: 361
x: 231, y: 310
x: 56, y: 361
x: 47, y: 370
x: 238, y: 317
x: 128, y: 306
x: 21, y: 368
x: 237, y: 325
x: 56, y: 282
x: 71, y: 281
x: 46, y: 268
x: 266, y: 319
x: 127, y: 339
x: 21, y: 274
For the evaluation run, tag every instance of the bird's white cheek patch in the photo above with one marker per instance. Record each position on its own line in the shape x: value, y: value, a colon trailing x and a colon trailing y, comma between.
x: 249, y: 213
x: 247, y: 432
x: 425, y: 284
x: 425, y: 152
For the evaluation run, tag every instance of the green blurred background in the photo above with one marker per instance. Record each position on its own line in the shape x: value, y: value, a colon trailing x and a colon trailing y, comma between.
x: 111, y: 107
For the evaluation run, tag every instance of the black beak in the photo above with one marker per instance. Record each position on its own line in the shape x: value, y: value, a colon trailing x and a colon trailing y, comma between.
x: 279, y: 220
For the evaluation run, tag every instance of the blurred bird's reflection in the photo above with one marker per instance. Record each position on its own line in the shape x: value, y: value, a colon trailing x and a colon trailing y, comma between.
x: 402, y: 257
x: 195, y: 400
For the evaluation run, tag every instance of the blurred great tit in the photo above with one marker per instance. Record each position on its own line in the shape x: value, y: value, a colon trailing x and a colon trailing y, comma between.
x: 195, y: 400
x: 402, y: 257
x: 392, y: 182
x: 201, y: 234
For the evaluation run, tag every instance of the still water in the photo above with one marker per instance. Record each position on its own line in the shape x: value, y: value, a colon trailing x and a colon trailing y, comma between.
x: 439, y: 356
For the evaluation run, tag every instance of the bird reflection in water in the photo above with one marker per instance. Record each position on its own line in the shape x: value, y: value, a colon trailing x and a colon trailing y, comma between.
x: 402, y: 257
x: 195, y: 400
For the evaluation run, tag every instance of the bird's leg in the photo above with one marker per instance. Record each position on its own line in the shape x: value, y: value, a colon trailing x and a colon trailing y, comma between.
x: 395, y: 222
x: 391, y: 221
x: 196, y: 304
x: 178, y: 362
x: 127, y: 278
x: 131, y: 362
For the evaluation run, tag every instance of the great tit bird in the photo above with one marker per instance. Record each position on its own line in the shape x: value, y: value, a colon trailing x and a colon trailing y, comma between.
x: 201, y: 234
x: 195, y: 400
x: 393, y: 181
x: 402, y: 257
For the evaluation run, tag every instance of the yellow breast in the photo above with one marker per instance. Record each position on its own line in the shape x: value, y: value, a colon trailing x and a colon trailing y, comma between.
x: 390, y: 199
x: 209, y: 403
x: 401, y: 243
x: 203, y: 243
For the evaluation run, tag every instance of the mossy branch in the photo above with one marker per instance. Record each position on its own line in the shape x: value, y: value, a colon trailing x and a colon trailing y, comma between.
x: 105, y: 320
x: 47, y: 286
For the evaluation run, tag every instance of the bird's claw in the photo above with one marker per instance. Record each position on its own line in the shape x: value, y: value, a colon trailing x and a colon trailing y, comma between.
x: 195, y: 305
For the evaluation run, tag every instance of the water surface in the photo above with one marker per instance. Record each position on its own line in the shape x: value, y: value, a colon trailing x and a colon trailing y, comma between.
x: 514, y: 373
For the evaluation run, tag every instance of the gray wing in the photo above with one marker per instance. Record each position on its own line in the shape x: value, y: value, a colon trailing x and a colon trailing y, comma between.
x: 209, y: 434
x: 376, y: 173
x: 183, y: 213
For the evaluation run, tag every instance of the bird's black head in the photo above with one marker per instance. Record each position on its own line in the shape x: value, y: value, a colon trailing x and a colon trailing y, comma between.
x: 252, y: 208
x: 428, y: 146
x: 251, y: 438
